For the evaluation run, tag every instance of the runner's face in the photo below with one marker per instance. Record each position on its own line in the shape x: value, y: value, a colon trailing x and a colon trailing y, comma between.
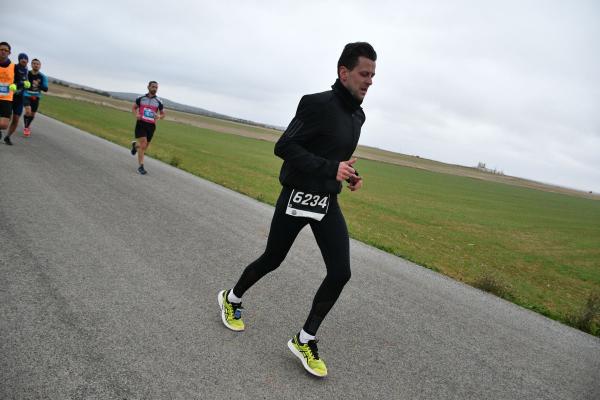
x: 36, y: 65
x: 23, y: 62
x: 153, y: 88
x: 4, y: 52
x: 358, y: 80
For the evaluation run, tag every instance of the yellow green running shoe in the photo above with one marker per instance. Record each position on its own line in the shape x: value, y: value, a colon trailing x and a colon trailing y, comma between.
x: 230, y: 312
x: 309, y: 355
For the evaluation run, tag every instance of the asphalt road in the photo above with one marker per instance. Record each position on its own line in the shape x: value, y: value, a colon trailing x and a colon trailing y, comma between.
x: 108, y: 284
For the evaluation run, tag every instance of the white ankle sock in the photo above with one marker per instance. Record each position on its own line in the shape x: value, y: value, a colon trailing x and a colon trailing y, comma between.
x: 305, y: 337
x: 232, y: 298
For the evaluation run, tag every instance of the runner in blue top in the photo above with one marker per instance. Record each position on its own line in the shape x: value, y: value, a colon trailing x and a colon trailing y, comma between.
x: 17, y: 103
x: 32, y: 96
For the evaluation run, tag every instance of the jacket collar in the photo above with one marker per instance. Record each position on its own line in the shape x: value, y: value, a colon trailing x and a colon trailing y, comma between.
x: 349, y: 101
x: 20, y: 68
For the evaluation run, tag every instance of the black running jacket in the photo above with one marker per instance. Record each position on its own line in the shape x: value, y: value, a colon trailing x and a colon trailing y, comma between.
x: 324, y: 132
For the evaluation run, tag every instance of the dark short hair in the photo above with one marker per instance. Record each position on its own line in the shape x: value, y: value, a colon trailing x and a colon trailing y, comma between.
x: 352, y: 51
x: 151, y: 82
x: 35, y: 59
x: 5, y: 44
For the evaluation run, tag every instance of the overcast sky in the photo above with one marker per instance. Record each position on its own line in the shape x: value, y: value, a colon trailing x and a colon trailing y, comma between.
x: 514, y: 84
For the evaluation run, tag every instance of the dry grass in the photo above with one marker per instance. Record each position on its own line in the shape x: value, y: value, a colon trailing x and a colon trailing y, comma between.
x: 588, y: 320
x: 493, y: 285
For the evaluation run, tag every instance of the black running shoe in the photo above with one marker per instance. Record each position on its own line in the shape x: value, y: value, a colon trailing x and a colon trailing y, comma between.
x: 7, y: 141
x: 133, y: 148
x: 142, y: 171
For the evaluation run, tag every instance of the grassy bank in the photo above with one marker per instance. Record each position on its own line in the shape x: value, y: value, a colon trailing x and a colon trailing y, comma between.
x: 538, y: 249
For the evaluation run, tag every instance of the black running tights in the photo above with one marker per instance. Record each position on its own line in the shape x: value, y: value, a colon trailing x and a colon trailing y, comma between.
x: 331, y: 234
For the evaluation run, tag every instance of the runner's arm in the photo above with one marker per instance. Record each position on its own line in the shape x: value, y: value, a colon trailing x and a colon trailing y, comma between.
x: 17, y: 81
x: 44, y: 87
x: 161, y: 110
x: 136, y: 107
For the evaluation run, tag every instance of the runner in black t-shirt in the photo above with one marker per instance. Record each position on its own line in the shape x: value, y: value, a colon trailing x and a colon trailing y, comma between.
x: 17, y: 100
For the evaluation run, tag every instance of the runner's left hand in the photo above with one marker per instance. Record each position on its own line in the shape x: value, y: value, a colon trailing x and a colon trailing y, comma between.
x: 355, y: 184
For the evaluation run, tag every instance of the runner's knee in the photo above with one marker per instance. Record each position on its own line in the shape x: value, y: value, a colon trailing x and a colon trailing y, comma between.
x: 271, y: 260
x: 339, y: 276
x: 344, y: 277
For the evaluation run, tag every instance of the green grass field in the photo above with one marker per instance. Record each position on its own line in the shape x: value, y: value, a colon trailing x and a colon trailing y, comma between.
x: 538, y: 249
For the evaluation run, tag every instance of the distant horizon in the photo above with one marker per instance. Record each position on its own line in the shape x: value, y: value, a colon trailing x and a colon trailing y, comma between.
x: 214, y: 114
x: 201, y: 110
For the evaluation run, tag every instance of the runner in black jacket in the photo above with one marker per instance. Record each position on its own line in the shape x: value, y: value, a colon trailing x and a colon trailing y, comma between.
x: 324, y: 132
x: 316, y: 148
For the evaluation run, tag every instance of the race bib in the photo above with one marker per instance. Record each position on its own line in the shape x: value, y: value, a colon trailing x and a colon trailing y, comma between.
x: 148, y: 114
x: 4, y: 89
x: 308, y: 205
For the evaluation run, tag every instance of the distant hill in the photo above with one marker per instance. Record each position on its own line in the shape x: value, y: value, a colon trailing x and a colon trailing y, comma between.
x: 173, y: 105
x: 168, y: 103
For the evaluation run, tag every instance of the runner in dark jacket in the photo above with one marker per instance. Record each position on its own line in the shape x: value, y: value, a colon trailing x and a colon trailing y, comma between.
x: 324, y: 132
x: 316, y: 148
x: 17, y: 100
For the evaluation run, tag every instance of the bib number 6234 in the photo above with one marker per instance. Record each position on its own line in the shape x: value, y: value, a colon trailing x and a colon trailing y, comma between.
x: 309, y: 199
x: 306, y: 204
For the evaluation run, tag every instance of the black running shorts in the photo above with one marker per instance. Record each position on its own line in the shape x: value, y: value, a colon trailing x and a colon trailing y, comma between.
x: 144, y: 129
x: 17, y: 104
x: 31, y: 101
x: 5, y: 109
